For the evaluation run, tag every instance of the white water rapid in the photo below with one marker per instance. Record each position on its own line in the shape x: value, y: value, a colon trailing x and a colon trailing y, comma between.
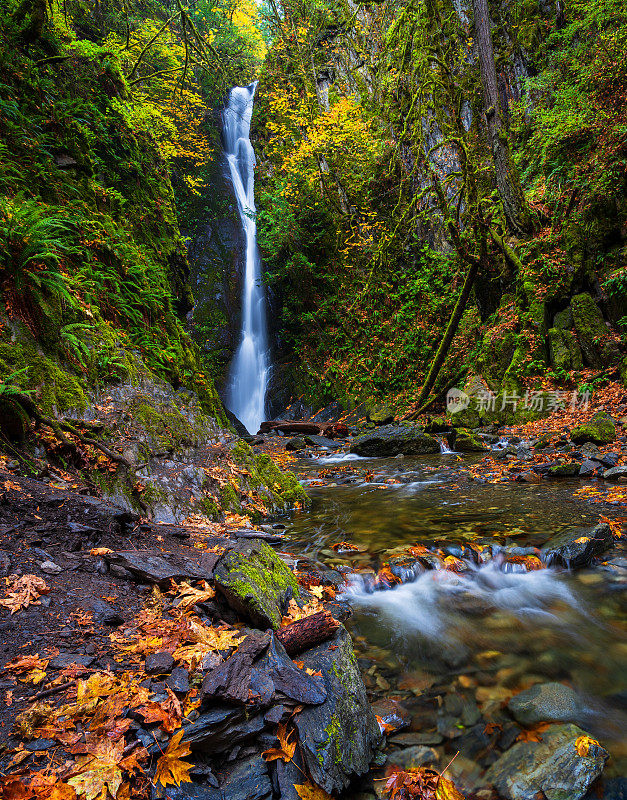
x: 248, y: 377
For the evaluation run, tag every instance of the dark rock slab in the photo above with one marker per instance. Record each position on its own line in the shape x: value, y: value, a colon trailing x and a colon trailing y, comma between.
x: 64, y: 660
x: 615, y: 473
x: 159, y: 663
x: 153, y: 566
x: 339, y: 737
x: 576, y: 550
x: 179, y: 680
x: 247, y: 779
x: 588, y: 468
x: 255, y: 582
x: 186, y: 791
x: 552, y: 766
x: 223, y: 727
x: 288, y: 679
x: 105, y: 613
x: 394, y: 440
x: 548, y: 702
x: 411, y: 739
x: 231, y: 680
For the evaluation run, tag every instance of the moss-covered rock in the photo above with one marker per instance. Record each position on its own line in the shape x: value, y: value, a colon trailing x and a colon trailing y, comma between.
x: 256, y: 582
x: 338, y: 738
x: 600, y: 430
x: 379, y: 413
x: 568, y: 470
x: 592, y: 333
x: 393, y: 440
x: 464, y: 441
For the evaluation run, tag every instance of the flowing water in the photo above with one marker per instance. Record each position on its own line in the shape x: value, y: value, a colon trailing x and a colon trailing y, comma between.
x: 492, y: 622
x: 248, y: 377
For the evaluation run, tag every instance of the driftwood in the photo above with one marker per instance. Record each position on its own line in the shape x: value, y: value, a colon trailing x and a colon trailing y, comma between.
x: 307, y: 632
x: 330, y: 429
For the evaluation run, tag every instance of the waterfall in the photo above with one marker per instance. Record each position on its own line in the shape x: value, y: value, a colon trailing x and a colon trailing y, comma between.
x: 248, y: 377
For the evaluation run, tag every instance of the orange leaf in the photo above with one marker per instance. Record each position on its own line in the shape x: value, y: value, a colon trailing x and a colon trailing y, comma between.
x: 170, y: 767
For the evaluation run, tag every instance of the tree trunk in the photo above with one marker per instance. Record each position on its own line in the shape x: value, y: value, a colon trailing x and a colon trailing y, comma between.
x: 517, y: 214
x: 449, y: 334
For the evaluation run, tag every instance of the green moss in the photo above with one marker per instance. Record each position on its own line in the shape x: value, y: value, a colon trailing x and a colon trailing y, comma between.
x: 257, y: 582
x: 600, y: 430
x: 280, y: 490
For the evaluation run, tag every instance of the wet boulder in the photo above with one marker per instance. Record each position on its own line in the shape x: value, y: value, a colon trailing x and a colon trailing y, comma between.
x: 339, y: 737
x: 576, y: 550
x: 223, y: 726
x: 462, y: 440
x: 247, y: 779
x: 615, y: 473
x: 152, y: 566
x: 296, y: 443
x: 394, y: 440
x: 552, y: 766
x: 565, y: 470
x: 548, y: 702
x: 599, y: 430
x: 255, y: 582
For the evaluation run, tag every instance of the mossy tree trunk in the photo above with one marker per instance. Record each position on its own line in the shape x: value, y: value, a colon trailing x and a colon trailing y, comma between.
x: 517, y: 213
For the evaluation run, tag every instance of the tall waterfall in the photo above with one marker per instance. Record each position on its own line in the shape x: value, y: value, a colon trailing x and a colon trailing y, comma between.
x: 248, y: 378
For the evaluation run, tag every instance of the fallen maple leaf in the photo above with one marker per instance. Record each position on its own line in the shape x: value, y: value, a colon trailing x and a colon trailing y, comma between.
x: 170, y: 768
x: 100, y: 551
x: 24, y: 591
x: 99, y: 770
x: 309, y: 791
x: 583, y: 745
x: 188, y: 596
x: 12, y: 788
x: 533, y: 734
x: 384, y: 726
x: 287, y: 749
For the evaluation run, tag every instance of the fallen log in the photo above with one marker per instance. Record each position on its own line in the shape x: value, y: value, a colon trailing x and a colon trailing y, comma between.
x: 331, y: 429
x: 307, y: 632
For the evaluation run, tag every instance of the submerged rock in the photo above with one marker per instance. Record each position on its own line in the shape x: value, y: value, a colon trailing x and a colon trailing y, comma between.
x: 412, y: 757
x: 394, y: 440
x: 574, y: 550
x: 547, y: 702
x: 338, y: 738
x: 255, y: 582
x: 552, y: 766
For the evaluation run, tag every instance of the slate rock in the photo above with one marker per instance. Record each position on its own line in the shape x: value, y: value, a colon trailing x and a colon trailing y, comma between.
x: 64, y: 660
x: 50, y: 568
x: 247, y: 779
x: 548, y: 702
x: 614, y: 473
x: 186, y: 791
x: 255, y: 582
x: 575, y: 550
x: 552, y: 766
x: 159, y: 663
x: 412, y: 757
x: 339, y: 737
x: 322, y: 441
x: 288, y: 679
x: 415, y: 738
x: 152, y: 566
x: 588, y: 468
x: 394, y: 440
x: 222, y: 727
x: 105, y: 613
x: 392, y: 714
x: 178, y: 680
x: 231, y: 680
x: 38, y: 745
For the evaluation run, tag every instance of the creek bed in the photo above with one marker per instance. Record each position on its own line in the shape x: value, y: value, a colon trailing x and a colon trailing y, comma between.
x: 454, y: 647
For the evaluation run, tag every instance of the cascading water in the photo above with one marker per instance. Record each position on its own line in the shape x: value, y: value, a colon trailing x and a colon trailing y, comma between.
x: 248, y: 378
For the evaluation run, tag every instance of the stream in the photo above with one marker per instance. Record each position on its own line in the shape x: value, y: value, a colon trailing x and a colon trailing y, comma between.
x: 453, y: 645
